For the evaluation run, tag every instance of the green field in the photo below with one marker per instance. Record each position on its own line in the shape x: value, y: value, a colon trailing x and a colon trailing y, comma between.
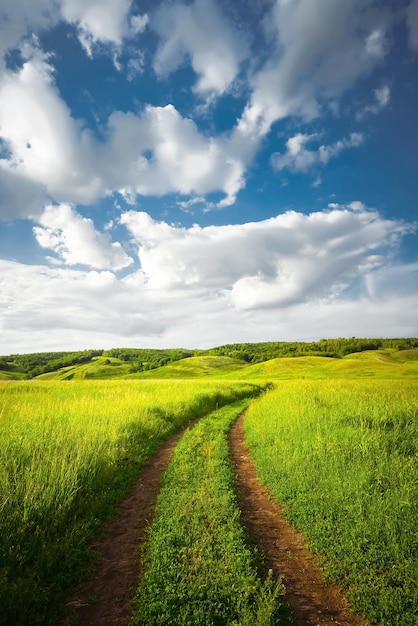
x: 68, y: 453
x: 336, y: 442
x: 341, y: 456
x: 199, y: 567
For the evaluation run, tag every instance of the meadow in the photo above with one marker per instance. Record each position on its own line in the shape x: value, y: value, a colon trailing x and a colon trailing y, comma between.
x: 200, y: 568
x: 335, y: 442
x: 341, y: 457
x: 68, y: 453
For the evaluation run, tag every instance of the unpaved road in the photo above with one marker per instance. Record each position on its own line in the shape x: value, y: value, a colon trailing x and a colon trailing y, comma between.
x: 106, y: 598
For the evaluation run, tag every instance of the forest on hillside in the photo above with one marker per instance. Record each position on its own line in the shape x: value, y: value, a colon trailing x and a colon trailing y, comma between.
x: 141, y: 359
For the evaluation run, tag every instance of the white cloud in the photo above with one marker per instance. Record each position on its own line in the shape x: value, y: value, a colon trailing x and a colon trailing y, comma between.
x: 97, y: 21
x: 75, y: 240
x: 154, y: 153
x: 102, y: 21
x: 161, y: 152
x: 381, y: 101
x: 22, y: 19
x: 200, y: 32
x: 297, y: 158
x: 321, y: 48
x: 65, y: 309
x: 280, y: 262
x: 47, y: 145
x: 412, y: 23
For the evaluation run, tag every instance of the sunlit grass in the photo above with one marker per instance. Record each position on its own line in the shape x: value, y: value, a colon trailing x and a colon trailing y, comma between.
x: 199, y: 567
x: 68, y: 452
x: 341, y: 456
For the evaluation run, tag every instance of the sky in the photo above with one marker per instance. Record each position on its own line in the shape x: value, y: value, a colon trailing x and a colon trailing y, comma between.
x: 195, y: 173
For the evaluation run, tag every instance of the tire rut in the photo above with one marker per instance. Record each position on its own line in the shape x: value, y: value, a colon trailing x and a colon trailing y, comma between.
x: 106, y: 598
x: 313, y: 601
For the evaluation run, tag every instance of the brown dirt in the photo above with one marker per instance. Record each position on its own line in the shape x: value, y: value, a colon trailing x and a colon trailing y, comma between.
x: 106, y: 598
x: 313, y: 601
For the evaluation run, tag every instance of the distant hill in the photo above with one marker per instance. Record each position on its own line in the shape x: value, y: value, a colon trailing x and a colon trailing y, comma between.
x: 328, y: 357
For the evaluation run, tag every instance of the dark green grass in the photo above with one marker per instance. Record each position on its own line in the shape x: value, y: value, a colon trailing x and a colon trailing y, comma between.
x: 200, y: 570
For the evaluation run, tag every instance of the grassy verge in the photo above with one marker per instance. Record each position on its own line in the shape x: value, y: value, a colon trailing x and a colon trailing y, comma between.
x: 68, y: 453
x: 341, y: 456
x: 199, y: 568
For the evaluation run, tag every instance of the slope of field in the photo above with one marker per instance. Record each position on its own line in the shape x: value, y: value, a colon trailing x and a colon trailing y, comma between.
x: 196, y: 367
x: 371, y: 363
x: 100, y: 368
x: 387, y: 363
x: 108, y: 368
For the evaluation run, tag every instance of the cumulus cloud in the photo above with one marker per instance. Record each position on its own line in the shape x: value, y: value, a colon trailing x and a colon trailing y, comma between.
x: 47, y: 146
x: 279, y: 262
x: 105, y: 22
x: 76, y: 241
x: 161, y: 152
x: 153, y: 153
x: 321, y: 48
x: 19, y: 20
x: 95, y: 309
x: 297, y: 158
x: 201, y: 33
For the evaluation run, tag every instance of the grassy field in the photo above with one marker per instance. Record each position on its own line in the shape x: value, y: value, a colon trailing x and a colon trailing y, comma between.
x: 341, y: 456
x: 68, y: 453
x: 336, y: 442
x: 199, y: 568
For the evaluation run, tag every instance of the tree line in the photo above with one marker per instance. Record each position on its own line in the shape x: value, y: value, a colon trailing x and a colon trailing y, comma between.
x: 141, y: 359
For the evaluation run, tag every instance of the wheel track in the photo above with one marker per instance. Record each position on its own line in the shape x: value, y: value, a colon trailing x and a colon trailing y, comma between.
x: 313, y: 601
x: 106, y: 598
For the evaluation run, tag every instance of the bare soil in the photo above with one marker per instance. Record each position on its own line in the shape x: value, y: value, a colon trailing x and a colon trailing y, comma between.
x: 313, y: 601
x: 106, y: 598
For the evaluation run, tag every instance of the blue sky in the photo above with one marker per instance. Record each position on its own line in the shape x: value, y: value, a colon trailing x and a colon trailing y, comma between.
x: 195, y: 173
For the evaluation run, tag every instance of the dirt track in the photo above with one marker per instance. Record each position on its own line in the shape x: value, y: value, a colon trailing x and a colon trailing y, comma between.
x: 312, y: 600
x: 106, y: 598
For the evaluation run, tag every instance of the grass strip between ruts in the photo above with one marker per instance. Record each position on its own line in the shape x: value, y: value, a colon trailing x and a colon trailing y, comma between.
x: 199, y: 568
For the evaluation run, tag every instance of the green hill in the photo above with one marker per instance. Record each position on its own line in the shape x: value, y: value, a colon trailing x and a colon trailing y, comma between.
x: 383, y: 363
x: 98, y: 368
x: 373, y: 363
x: 196, y: 367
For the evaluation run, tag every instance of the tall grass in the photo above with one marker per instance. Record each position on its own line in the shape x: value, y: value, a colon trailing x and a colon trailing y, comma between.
x: 199, y: 568
x: 342, y: 458
x: 68, y: 453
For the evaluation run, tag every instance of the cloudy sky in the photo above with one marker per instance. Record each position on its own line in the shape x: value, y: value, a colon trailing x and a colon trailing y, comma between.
x: 192, y: 173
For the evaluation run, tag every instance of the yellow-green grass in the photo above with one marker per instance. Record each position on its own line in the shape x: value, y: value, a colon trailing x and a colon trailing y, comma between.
x: 199, y: 568
x: 107, y: 368
x: 99, y: 368
x: 196, y: 367
x: 68, y: 453
x: 341, y: 456
x: 387, y: 363
x: 376, y: 364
